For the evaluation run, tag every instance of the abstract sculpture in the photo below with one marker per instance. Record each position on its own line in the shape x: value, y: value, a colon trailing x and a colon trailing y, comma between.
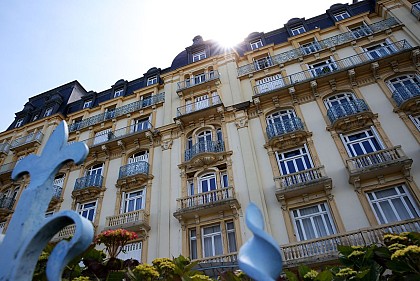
x: 29, y: 231
x: 260, y: 257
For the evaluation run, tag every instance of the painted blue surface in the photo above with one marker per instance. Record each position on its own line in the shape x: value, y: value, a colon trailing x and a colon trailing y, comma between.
x: 260, y: 257
x: 29, y: 231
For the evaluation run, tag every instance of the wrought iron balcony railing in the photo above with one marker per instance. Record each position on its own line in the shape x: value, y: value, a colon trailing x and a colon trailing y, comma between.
x: 119, y: 111
x: 377, y: 158
x: 57, y: 191
x: 199, y: 105
x: 4, y: 147
x: 415, y: 10
x: 302, y: 177
x: 2, y: 226
x: 403, y: 94
x: 32, y: 137
x: 137, y: 217
x: 117, y: 134
x: 206, y: 198
x: 338, y: 111
x: 204, y: 146
x: 227, y: 258
x: 325, y: 248
x: 8, y: 167
x: 140, y: 167
x: 198, y: 79
x: 89, y: 181
x: 323, y: 44
x: 7, y: 203
x: 284, y: 127
x: 328, y: 68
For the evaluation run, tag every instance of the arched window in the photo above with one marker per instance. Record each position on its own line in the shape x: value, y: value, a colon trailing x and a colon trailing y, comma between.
x: 95, y: 170
x: 139, y: 156
x: 282, y: 122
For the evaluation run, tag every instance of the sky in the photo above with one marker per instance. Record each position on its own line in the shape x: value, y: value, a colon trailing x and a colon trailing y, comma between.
x: 47, y: 43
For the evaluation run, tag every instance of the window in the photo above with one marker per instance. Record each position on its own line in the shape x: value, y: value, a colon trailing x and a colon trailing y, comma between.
x: 58, y: 185
x: 103, y: 136
x: 198, y: 56
x: 405, y: 84
x: 133, y: 201
x: 323, y: 67
x: 48, y: 111
x: 110, y: 112
x: 341, y: 16
x: 379, y: 50
x: 262, y: 63
x: 118, y: 93
x: 212, y: 241
x: 139, y: 156
x: 311, y: 47
x: 140, y: 125
x: 312, y: 222
x: 87, y: 104
x: 342, y: 104
x: 94, y: 175
x: 147, y: 100
x: 360, y: 31
x: 293, y: 161
x: 193, y: 244
x: 282, y: 122
x: 47, y: 215
x: 131, y: 251
x: 269, y: 83
x: 362, y: 142
x: 416, y: 120
x: 199, y: 78
x: 152, y: 80
x: 35, y: 117
x: 298, y: 30
x: 87, y: 210
x: 256, y: 44
x: 393, y: 204
x: 19, y: 123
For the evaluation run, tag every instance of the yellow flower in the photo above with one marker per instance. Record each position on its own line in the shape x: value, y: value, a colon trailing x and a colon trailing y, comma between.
x: 409, y: 249
x: 356, y: 253
x: 200, y: 277
x: 312, y: 274
x: 396, y: 246
x: 146, y: 270
x: 347, y: 271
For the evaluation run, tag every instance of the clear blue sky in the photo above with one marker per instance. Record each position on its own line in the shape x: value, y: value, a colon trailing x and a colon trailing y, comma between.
x: 47, y: 43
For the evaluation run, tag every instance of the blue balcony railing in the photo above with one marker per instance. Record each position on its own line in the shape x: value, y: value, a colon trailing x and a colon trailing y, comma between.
x: 204, y: 146
x: 198, y: 79
x: 57, y: 191
x: 4, y: 147
x: 415, y: 10
x: 403, y: 94
x: 7, y: 203
x: 346, y: 109
x: 89, y: 181
x: 140, y: 167
x: 284, y: 127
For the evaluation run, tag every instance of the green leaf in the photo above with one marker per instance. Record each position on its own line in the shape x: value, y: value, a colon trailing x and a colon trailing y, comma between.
x: 325, y: 275
x: 303, y: 269
x: 291, y: 276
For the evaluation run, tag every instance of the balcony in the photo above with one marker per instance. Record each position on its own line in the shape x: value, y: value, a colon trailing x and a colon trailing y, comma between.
x: 199, y: 81
x: 56, y: 196
x: 137, y: 221
x: 211, y: 266
x: 325, y: 44
x: 4, y: 148
x: 205, y: 203
x: 324, y: 249
x: 209, y: 105
x: 2, y: 227
x: 119, y: 111
x: 407, y: 97
x: 349, y: 115
x: 320, y: 73
x: 133, y: 174
x: 378, y: 163
x: 88, y: 187
x: 302, y: 182
x: 287, y: 133
x: 110, y: 139
x: 415, y: 10
x: 31, y: 140
x: 6, y: 170
x: 6, y: 206
x: 65, y: 233
x: 205, y: 153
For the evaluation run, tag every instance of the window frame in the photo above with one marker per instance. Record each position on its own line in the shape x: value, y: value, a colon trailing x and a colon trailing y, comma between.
x: 87, y: 103
x: 48, y: 111
x: 304, y: 156
x: 339, y: 16
x: 126, y: 206
x: 19, y: 123
x: 152, y: 80
x: 300, y: 29
x: 118, y: 92
x: 256, y: 44
x: 81, y: 209
x: 347, y: 142
x: 200, y: 55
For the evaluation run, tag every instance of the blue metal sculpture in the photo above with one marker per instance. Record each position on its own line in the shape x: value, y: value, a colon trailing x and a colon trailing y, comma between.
x: 29, y: 231
x: 260, y: 257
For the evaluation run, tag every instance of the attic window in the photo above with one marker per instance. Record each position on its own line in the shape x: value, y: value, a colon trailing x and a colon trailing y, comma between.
x: 48, y: 111
x: 35, y: 117
x: 256, y: 44
x: 341, y: 15
x: 199, y: 56
x: 118, y: 93
x: 298, y: 30
x: 87, y: 104
x: 19, y: 123
x: 151, y: 80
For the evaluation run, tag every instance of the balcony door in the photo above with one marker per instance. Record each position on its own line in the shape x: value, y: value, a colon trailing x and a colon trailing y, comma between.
x: 139, y: 156
x: 282, y: 121
x: 102, y: 136
x: 341, y: 104
x: 362, y: 142
x: 212, y: 241
x: 133, y: 201
x: 294, y: 160
x: 324, y: 67
x: 405, y: 83
x: 379, y: 50
x: 140, y: 125
x: 93, y: 175
x: 87, y: 210
x: 269, y: 83
x: 204, y: 140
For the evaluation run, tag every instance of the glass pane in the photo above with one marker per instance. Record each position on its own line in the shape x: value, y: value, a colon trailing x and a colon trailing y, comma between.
x: 387, y: 211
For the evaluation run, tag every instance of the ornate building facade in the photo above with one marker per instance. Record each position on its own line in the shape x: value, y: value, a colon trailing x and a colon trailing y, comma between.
x: 317, y: 122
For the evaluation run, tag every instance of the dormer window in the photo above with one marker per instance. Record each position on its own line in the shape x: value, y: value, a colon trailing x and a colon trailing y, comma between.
x: 151, y: 80
x: 19, y: 123
x: 118, y: 93
x: 256, y: 44
x: 199, y: 56
x: 35, y: 117
x: 48, y: 111
x: 298, y: 30
x: 341, y: 16
x: 87, y: 104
